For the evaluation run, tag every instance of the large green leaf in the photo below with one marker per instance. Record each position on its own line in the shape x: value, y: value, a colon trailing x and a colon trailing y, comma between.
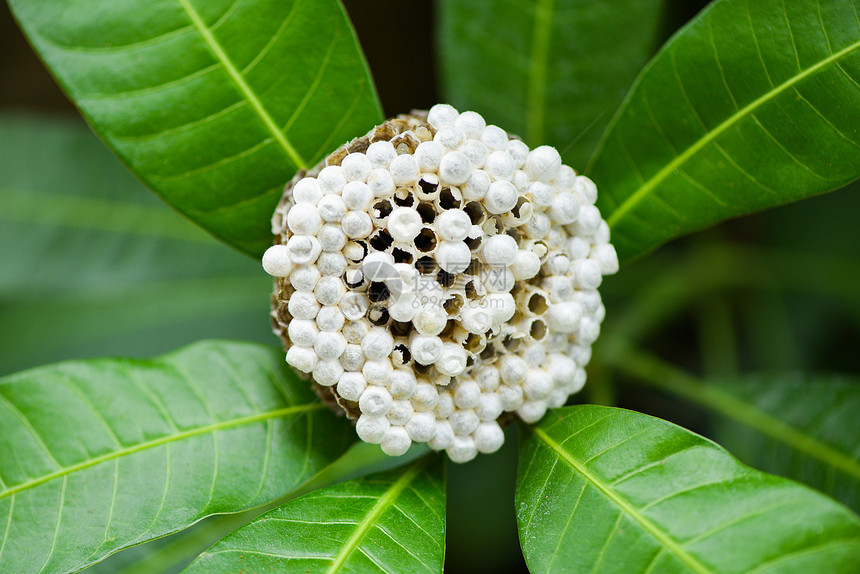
x: 801, y: 426
x: 751, y: 105
x: 170, y: 554
x: 820, y: 416
x: 99, y: 455
x: 214, y: 104
x: 96, y: 265
x: 608, y: 490
x: 552, y: 71
x: 390, y: 522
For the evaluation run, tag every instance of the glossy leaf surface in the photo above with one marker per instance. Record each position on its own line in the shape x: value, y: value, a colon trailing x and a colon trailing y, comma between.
x: 551, y: 71
x: 608, y: 490
x: 822, y: 444
x: 99, y: 455
x: 214, y: 104
x: 389, y: 522
x: 95, y: 265
x: 751, y: 105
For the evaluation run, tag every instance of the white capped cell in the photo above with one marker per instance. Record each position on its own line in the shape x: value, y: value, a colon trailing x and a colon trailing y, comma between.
x: 543, y: 163
x: 303, y: 305
x: 380, y: 182
x: 371, y: 429
x: 402, y: 383
x: 404, y: 169
x: 453, y: 225
x: 467, y: 395
x: 350, y: 386
x: 327, y: 373
x: 357, y: 196
x: 428, y: 155
x: 430, y: 319
x: 307, y: 191
x: 356, y: 167
x: 449, y: 137
x: 452, y: 361
x: 421, y: 427
x: 303, y: 249
x: 380, y: 154
x: 425, y: 349
x: 329, y: 345
x: 303, y: 359
x: 501, y: 197
x: 454, y: 168
x: 564, y: 317
x: 526, y: 265
x: 375, y: 401
x: 277, y: 261
x: 378, y: 371
x: 443, y: 436
x: 453, y: 256
x: 404, y: 224
x: 462, y: 449
x: 331, y: 179
x: 489, y: 437
x: 495, y: 138
x: 425, y: 397
x: 303, y: 332
x: 532, y: 411
x: 477, y: 185
x: 442, y: 115
x: 470, y: 123
x: 500, y: 250
x: 331, y: 208
x: 396, y: 441
x: 356, y: 224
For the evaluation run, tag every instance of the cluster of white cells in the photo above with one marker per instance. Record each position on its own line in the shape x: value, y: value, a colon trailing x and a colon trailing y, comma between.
x: 435, y: 275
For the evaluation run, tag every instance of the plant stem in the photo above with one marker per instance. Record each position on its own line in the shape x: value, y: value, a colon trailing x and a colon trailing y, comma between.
x: 659, y: 374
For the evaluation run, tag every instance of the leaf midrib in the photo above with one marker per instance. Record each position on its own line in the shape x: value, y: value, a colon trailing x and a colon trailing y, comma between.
x: 666, y: 376
x: 370, y: 520
x: 242, y: 85
x: 642, y: 192
x: 159, y: 442
x: 626, y: 507
x: 538, y: 71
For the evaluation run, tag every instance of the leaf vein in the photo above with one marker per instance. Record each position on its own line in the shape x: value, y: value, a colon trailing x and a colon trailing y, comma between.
x: 63, y: 471
x: 645, y: 189
x: 374, y: 514
x: 243, y: 87
x: 27, y: 425
x: 57, y: 527
x: 274, y: 39
x: 625, y: 506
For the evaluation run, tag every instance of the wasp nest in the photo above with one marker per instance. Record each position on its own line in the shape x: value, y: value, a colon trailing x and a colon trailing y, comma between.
x: 436, y: 274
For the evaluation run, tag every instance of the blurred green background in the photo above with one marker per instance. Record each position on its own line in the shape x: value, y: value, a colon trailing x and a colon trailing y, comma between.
x: 92, y: 264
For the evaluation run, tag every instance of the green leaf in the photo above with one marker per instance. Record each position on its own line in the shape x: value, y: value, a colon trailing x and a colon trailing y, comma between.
x: 800, y: 426
x: 552, y: 71
x: 607, y: 490
x: 751, y: 105
x: 98, y: 265
x: 99, y: 455
x: 215, y: 105
x: 821, y: 413
x: 172, y: 553
x: 388, y: 522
